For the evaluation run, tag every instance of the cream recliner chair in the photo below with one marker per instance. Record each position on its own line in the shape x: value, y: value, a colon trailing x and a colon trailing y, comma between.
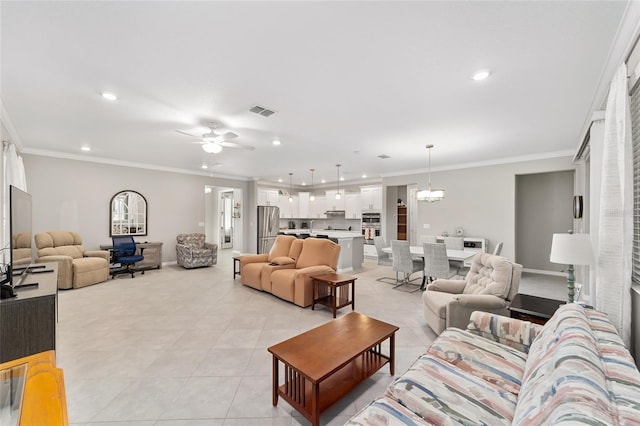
x: 76, y: 267
x: 490, y: 285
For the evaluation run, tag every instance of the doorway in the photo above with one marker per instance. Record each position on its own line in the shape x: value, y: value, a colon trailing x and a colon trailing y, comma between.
x: 226, y: 219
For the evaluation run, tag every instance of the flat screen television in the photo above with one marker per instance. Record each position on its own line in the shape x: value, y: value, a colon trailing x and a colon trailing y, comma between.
x: 20, y: 244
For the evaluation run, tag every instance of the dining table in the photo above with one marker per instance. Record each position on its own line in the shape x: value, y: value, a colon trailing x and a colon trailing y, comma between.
x: 452, y: 254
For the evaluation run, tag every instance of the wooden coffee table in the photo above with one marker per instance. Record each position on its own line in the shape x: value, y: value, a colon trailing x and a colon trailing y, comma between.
x: 325, y: 363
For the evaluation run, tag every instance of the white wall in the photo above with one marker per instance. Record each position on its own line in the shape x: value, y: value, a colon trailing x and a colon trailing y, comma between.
x: 75, y: 195
x: 481, y: 200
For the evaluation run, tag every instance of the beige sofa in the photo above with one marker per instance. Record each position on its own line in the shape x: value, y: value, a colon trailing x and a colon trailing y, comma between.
x: 287, y: 270
x: 76, y: 267
x: 489, y: 286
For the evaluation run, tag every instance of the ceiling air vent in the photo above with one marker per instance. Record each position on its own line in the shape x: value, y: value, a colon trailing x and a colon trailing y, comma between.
x: 383, y: 156
x: 265, y: 112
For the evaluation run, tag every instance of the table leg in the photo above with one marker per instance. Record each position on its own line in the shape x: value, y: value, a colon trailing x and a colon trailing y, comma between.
x: 392, y: 354
x: 315, y: 409
x: 315, y: 294
x: 333, y: 293
x: 353, y: 295
x: 275, y: 381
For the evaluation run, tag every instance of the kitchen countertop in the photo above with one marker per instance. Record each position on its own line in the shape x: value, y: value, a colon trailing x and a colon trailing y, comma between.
x: 329, y: 232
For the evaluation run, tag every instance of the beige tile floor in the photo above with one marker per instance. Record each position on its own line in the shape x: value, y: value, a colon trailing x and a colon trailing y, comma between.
x: 188, y: 347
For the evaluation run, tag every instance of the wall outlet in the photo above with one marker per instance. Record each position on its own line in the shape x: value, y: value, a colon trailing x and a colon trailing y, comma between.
x: 427, y: 226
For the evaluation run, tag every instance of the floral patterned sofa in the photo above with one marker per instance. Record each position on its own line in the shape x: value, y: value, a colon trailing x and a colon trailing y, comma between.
x: 194, y: 252
x: 502, y: 371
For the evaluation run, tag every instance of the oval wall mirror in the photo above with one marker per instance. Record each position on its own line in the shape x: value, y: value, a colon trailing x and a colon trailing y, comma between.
x: 128, y: 214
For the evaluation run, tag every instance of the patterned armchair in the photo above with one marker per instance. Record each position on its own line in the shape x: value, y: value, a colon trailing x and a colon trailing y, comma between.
x: 194, y: 252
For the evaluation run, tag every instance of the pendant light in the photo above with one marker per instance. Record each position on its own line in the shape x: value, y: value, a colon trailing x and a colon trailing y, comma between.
x: 338, y: 196
x: 290, y: 188
x: 430, y: 195
x: 312, y: 197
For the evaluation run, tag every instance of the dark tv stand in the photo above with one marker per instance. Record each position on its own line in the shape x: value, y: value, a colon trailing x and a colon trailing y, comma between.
x: 28, y: 321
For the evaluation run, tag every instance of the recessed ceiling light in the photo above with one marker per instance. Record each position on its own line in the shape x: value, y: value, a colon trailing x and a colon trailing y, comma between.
x: 276, y: 142
x: 86, y: 148
x: 323, y: 181
x: 204, y: 166
x: 280, y: 180
x: 109, y: 96
x: 304, y: 183
x: 481, y: 74
x: 364, y: 176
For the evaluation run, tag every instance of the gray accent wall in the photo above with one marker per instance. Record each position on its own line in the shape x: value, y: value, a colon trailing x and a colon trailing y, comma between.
x: 74, y: 195
x: 543, y: 207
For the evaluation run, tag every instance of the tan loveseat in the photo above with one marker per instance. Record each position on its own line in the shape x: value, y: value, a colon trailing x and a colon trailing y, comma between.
x: 76, y: 267
x: 287, y: 270
x: 490, y: 285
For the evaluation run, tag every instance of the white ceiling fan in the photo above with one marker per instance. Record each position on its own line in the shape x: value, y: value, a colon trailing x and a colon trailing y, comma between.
x: 214, y: 140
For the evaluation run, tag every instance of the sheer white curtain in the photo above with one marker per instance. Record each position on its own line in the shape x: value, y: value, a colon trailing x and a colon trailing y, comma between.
x: 12, y: 174
x: 613, y: 273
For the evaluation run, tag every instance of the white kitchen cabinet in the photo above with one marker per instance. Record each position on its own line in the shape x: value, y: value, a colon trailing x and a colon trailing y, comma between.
x: 352, y: 206
x: 333, y: 203
x: 267, y: 197
x: 317, y: 208
x: 303, y: 204
x: 288, y: 210
x: 371, y: 198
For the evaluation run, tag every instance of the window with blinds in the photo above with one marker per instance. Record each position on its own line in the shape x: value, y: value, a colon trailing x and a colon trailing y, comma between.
x: 635, y: 133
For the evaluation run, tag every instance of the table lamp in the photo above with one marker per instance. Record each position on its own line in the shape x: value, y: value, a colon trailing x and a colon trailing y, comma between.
x: 571, y: 249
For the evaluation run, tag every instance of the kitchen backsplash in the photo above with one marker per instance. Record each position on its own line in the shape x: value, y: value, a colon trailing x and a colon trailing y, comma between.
x: 337, y: 224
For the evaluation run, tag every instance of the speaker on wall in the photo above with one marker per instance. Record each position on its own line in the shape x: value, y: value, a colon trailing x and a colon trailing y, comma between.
x: 577, y: 206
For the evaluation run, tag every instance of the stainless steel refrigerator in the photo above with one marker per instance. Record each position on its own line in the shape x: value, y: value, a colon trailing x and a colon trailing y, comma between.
x: 268, y: 226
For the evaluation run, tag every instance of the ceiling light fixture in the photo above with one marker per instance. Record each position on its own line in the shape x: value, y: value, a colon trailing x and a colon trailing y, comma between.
x: 430, y: 195
x: 85, y: 148
x: 204, y: 166
x: 290, y: 188
x: 109, y: 96
x: 481, y: 74
x: 212, y: 148
x: 276, y: 142
x: 338, y: 196
x: 312, y: 197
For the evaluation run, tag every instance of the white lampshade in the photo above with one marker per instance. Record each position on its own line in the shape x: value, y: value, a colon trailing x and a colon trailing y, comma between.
x: 571, y: 249
x: 212, y: 148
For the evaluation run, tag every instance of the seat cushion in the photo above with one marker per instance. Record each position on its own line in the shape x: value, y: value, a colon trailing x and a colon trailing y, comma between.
x: 251, y: 274
x: 283, y: 283
x: 437, y: 302
x: 386, y: 411
x: 491, y: 361
x: 433, y: 388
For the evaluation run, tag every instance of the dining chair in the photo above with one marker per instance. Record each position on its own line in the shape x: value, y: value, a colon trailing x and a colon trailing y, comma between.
x: 498, y: 249
x: 384, y: 259
x: 428, y: 239
x: 404, y: 263
x: 436, y: 262
x: 455, y: 243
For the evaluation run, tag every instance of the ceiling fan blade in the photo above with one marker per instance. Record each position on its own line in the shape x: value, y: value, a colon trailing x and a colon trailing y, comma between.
x: 185, y: 133
x: 237, y: 145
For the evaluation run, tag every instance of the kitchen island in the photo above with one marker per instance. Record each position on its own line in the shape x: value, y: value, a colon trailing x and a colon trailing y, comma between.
x: 351, y: 245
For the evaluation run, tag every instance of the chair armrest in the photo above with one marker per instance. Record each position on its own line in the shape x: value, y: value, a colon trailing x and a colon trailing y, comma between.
x: 314, y: 270
x: 509, y: 331
x: 447, y: 286
x: 211, y: 246
x: 65, y: 269
x: 97, y: 253
x: 460, y: 308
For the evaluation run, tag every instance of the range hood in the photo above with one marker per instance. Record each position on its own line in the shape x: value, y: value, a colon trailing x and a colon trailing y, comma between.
x: 335, y: 212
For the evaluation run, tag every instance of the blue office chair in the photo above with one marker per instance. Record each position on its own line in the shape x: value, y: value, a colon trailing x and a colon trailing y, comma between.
x: 124, y: 253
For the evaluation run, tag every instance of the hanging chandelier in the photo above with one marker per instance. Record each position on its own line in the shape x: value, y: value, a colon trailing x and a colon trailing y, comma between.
x: 290, y: 188
x: 430, y: 195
